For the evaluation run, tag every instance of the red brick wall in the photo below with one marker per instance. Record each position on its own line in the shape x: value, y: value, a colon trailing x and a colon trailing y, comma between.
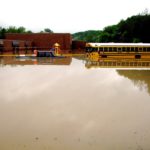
x: 78, y: 45
x: 21, y: 47
x: 8, y: 46
x: 43, y: 40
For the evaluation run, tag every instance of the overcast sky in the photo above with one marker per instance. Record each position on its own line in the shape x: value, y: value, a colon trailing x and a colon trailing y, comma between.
x: 68, y: 15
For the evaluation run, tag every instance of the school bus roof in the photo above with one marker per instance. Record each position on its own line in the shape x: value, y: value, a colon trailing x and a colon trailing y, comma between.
x: 117, y: 44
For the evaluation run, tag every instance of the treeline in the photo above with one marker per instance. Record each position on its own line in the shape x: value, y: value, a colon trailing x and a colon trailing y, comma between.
x: 133, y: 29
x: 88, y: 36
x: 13, y: 29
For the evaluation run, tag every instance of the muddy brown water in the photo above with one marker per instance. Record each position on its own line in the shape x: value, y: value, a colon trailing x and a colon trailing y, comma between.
x: 65, y: 106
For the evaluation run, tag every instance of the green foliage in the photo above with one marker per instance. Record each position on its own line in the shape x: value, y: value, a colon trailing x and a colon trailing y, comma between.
x: 46, y: 30
x: 21, y: 30
x: 2, y: 32
x: 133, y: 29
x: 13, y: 29
x: 29, y: 31
x: 88, y: 36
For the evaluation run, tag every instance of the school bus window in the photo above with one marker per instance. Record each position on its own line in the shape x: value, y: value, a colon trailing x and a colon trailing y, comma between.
x: 96, y: 48
x: 140, y: 48
x: 128, y: 49
x: 115, y: 49
x: 123, y: 49
x: 136, y: 49
x: 101, y: 48
x: 110, y: 49
x: 132, y: 49
x: 148, y: 49
x: 93, y: 48
x: 119, y: 48
x: 144, y: 49
x: 105, y: 49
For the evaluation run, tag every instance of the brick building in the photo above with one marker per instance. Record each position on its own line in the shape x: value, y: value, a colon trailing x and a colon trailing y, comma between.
x: 27, y: 42
x: 43, y: 40
x: 13, y: 46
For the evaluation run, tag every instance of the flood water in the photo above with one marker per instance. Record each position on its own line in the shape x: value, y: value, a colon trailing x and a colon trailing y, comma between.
x: 61, y: 104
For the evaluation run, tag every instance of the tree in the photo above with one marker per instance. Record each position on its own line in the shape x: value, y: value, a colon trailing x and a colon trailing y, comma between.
x: 21, y: 30
x: 11, y: 29
x: 2, y: 33
x: 48, y: 30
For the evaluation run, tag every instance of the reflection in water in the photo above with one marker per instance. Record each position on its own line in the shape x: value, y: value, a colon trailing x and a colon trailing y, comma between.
x: 117, y: 63
x: 13, y: 61
x: 140, y: 78
x: 94, y: 60
x: 70, y: 107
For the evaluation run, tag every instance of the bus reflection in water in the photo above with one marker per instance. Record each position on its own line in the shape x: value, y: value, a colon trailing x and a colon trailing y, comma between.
x: 94, y: 59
